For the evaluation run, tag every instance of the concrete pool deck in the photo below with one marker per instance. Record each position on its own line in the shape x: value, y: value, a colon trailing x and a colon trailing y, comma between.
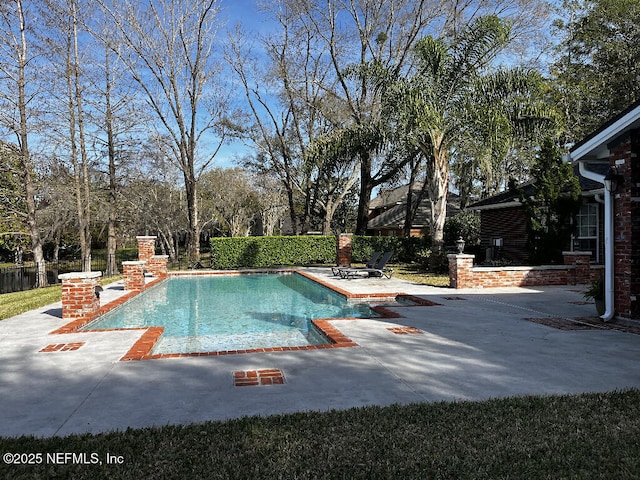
x: 475, y: 344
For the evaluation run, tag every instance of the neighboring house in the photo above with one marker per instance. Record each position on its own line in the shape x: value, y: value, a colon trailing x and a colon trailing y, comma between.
x: 616, y: 147
x: 387, y: 212
x: 503, y: 222
x: 609, y: 221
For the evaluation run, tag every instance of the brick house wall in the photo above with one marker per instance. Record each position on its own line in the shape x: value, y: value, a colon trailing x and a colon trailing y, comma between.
x: 624, y: 156
x: 492, y: 225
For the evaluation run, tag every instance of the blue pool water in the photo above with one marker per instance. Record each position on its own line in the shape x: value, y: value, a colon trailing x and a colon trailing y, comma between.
x: 232, y: 312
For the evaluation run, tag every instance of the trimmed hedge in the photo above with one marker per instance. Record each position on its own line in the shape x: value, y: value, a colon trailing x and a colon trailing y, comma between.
x: 261, y: 252
x: 405, y: 248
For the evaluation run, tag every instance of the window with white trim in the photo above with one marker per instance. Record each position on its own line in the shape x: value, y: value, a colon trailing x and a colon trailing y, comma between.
x: 586, y: 236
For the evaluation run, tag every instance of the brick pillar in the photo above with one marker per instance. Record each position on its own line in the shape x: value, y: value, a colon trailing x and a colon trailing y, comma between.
x: 133, y: 275
x: 157, y: 265
x: 79, y: 300
x: 624, y: 153
x: 343, y: 255
x: 146, y: 247
x: 582, y: 262
x: 460, y: 275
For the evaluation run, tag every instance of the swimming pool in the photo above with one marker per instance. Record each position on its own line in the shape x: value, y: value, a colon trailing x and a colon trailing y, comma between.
x: 232, y: 312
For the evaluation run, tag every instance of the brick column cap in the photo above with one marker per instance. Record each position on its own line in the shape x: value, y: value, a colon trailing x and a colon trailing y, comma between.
x: 146, y: 237
x: 460, y: 255
x: 160, y: 257
x: 135, y: 262
x: 79, y: 275
x: 577, y: 253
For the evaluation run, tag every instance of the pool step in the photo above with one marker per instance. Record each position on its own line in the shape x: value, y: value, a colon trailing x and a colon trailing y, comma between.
x: 226, y: 342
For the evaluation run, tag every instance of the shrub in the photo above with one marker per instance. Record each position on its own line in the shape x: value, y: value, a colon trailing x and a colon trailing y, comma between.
x: 465, y: 224
x: 423, y: 258
x: 552, y: 207
x: 261, y: 252
x: 405, y: 248
x: 595, y: 290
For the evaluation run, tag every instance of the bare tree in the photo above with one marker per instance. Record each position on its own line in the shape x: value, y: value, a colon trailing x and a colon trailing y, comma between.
x: 17, y: 94
x: 371, y: 34
x: 117, y: 115
x: 68, y: 132
x: 112, y: 266
x: 231, y: 201
x: 279, y: 129
x: 356, y: 32
x: 285, y: 126
x: 78, y: 140
x: 170, y: 57
x: 150, y: 198
x: 272, y: 203
x: 57, y: 214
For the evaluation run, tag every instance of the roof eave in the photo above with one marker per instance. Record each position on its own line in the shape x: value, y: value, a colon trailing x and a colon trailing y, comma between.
x: 594, y: 147
x: 493, y: 206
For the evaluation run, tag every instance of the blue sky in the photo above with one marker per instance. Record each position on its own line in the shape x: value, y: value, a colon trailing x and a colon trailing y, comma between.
x: 245, y: 12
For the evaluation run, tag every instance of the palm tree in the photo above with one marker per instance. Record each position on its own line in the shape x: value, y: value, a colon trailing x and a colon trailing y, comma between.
x: 452, y: 96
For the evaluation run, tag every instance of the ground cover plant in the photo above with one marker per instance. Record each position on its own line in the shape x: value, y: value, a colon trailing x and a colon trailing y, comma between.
x: 587, y: 436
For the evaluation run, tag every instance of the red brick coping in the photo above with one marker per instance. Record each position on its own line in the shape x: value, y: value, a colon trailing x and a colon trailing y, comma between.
x: 62, y: 347
x: 405, y: 330
x: 267, y: 376
x: 141, y: 349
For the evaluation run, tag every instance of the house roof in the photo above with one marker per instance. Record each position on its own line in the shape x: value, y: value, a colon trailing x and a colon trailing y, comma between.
x: 595, y: 145
x: 394, y: 216
x: 394, y: 196
x: 512, y: 199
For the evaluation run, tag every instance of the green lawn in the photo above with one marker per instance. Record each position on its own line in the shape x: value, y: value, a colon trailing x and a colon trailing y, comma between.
x: 591, y: 436
x: 19, y: 302
x: 412, y: 273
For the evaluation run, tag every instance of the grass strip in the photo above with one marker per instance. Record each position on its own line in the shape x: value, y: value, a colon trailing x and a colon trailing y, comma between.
x: 588, y: 436
x: 15, y: 303
x: 19, y: 302
x: 413, y: 273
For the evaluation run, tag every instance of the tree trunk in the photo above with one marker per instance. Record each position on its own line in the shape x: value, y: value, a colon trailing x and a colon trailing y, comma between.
x: 167, y: 244
x: 330, y: 209
x: 75, y: 106
x: 84, y: 211
x: 292, y: 207
x: 193, y: 234
x: 438, y: 189
x: 366, y: 188
x: 25, y: 157
x: 112, y: 265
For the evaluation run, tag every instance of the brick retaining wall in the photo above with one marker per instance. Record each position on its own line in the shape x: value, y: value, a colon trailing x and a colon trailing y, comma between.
x: 576, y: 270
